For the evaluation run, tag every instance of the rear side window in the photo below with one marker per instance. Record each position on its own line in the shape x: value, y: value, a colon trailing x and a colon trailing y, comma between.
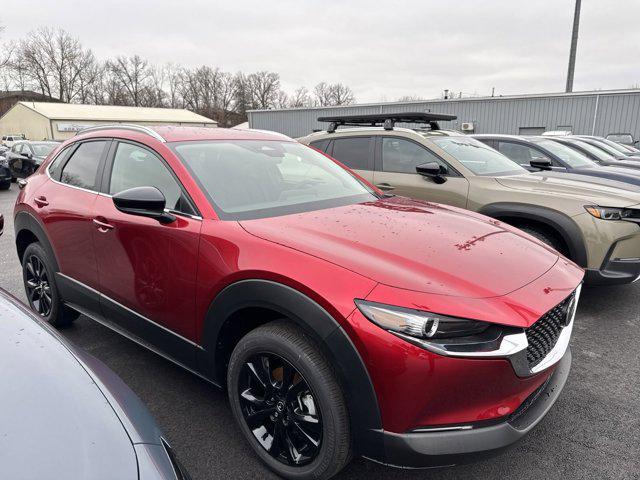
x: 82, y: 168
x: 354, y: 152
x: 320, y: 145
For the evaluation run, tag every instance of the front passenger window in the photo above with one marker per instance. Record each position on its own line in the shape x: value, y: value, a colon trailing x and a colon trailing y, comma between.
x: 521, y: 154
x: 403, y: 156
x: 134, y: 166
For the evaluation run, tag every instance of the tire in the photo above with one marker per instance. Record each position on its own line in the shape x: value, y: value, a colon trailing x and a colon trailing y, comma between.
x: 313, y: 405
x: 41, y: 289
x: 5, y: 185
x: 545, y: 237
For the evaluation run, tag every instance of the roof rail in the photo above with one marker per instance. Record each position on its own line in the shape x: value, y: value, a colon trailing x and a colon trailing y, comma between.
x: 387, y: 120
x: 124, y: 126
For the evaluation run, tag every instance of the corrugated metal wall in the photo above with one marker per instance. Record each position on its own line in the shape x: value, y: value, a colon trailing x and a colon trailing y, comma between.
x: 589, y: 113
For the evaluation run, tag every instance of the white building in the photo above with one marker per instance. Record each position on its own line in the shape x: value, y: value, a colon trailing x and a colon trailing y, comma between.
x: 59, y: 121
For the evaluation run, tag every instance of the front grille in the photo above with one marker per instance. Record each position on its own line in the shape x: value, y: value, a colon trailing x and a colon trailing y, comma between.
x: 543, y: 334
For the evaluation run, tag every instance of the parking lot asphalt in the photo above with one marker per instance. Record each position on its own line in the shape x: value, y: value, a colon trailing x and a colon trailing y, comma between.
x: 593, y: 431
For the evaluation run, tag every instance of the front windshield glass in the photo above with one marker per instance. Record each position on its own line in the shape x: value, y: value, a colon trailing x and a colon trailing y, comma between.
x: 604, y: 145
x: 42, y: 149
x: 613, y: 146
x: 246, y: 179
x: 595, y: 151
x: 568, y: 155
x: 478, y: 157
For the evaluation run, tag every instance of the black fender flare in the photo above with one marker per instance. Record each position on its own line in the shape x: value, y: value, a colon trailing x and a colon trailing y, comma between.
x: 26, y: 221
x: 320, y: 325
x: 558, y: 221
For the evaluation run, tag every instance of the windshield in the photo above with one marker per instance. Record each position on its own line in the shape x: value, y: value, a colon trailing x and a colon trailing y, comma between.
x: 613, y: 146
x: 593, y: 150
x: 42, y: 149
x: 568, y: 155
x: 246, y: 179
x: 602, y: 144
x: 478, y: 157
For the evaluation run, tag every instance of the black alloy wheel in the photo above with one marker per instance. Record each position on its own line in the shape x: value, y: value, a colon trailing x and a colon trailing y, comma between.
x: 38, y: 286
x: 279, y: 408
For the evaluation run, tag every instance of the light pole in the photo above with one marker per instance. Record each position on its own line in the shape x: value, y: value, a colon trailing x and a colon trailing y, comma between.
x: 574, y: 46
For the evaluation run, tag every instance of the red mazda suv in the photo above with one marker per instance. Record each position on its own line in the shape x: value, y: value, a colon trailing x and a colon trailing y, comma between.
x: 340, y: 320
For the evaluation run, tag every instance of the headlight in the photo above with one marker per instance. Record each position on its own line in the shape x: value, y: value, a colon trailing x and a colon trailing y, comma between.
x: 418, y: 323
x: 611, y: 213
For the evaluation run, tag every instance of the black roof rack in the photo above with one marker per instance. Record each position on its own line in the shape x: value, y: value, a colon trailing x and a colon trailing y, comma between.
x: 387, y: 120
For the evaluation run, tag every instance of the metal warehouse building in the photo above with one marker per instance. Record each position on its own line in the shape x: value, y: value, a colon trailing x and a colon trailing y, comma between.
x: 586, y: 113
x: 59, y: 121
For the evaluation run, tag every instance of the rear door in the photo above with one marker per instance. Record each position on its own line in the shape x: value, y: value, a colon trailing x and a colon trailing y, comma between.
x: 396, y: 171
x: 356, y: 153
x: 65, y: 205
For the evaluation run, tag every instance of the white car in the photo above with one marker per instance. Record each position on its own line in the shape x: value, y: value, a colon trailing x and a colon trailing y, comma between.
x: 9, y: 140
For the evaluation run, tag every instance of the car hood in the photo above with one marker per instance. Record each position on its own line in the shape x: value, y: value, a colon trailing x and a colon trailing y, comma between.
x: 602, y: 191
x: 54, y: 420
x: 415, y: 245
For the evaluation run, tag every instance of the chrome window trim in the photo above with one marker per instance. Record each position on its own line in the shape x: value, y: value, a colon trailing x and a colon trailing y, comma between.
x: 175, y: 212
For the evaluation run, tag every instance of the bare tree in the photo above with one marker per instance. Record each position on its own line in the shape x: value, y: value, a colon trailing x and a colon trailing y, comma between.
x: 263, y: 89
x: 173, y: 76
x: 133, y: 74
x: 342, y: 94
x: 323, y: 95
x: 53, y: 61
x: 300, y: 98
x: 410, y: 98
x: 5, y: 54
x: 327, y: 95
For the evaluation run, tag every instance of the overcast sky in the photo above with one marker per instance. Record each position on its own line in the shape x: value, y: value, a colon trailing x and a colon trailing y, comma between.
x: 382, y: 50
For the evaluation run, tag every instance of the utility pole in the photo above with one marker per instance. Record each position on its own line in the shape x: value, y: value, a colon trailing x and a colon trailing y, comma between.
x: 574, y: 46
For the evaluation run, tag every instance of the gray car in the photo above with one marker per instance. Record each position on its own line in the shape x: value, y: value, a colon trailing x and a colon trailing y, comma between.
x: 65, y: 415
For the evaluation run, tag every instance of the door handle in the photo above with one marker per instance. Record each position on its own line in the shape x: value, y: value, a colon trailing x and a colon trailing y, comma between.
x: 385, y: 187
x: 41, y: 201
x: 102, y: 226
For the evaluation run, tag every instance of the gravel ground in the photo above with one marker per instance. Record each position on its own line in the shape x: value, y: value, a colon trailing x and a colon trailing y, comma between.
x: 593, y: 432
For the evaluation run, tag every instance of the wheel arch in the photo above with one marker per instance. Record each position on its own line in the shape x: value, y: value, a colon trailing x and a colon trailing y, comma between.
x: 28, y: 229
x: 558, y: 222
x: 282, y: 301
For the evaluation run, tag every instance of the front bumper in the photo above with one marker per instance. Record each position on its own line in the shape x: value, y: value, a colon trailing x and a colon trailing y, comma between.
x: 442, y: 447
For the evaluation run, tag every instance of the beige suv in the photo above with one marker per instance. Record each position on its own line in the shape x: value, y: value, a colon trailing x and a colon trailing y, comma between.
x: 594, y: 223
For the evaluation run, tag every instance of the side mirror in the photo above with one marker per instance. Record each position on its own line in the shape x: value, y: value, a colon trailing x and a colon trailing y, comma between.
x: 29, y: 155
x: 541, y: 163
x: 144, y: 202
x: 433, y: 170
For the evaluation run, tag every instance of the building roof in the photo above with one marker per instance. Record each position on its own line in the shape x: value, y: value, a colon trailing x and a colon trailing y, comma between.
x: 589, y: 93
x: 112, y: 113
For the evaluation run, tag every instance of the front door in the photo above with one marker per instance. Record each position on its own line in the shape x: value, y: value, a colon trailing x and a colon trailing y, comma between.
x: 147, y: 270
x: 397, y: 172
